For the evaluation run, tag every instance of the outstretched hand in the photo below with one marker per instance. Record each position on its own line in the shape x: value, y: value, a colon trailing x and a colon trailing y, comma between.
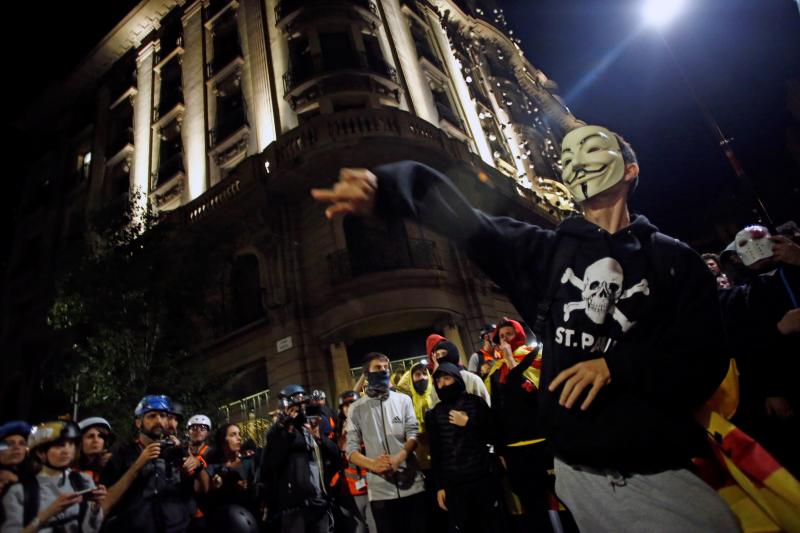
x: 354, y: 193
x: 593, y: 372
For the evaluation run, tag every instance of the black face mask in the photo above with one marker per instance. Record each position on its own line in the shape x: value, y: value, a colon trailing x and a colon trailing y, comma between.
x: 421, y: 386
x: 377, y: 382
x: 450, y: 393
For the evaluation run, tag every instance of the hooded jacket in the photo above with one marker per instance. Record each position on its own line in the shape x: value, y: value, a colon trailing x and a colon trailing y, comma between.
x: 531, y: 372
x: 473, y: 383
x: 459, y: 454
x: 660, y: 335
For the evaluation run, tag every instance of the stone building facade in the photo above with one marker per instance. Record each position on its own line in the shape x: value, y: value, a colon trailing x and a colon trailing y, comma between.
x: 226, y: 112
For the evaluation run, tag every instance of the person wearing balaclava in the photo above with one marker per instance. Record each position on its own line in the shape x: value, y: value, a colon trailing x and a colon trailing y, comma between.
x: 445, y: 351
x: 460, y: 431
x: 617, y: 306
x: 384, y: 421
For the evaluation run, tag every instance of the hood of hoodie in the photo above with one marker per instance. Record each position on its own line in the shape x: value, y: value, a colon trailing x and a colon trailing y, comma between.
x: 431, y: 342
x: 518, y: 340
x: 453, y: 355
x: 577, y: 225
x: 451, y: 370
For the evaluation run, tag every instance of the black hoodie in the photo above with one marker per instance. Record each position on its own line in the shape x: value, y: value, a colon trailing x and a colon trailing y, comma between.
x: 661, y: 335
x: 459, y: 454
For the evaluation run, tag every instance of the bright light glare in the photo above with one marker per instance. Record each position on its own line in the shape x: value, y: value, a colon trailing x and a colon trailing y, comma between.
x: 659, y: 13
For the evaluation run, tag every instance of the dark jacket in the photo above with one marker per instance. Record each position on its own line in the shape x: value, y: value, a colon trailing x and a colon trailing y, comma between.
x: 459, y: 454
x: 515, y: 402
x: 767, y: 359
x: 291, y: 468
x: 159, y: 499
x: 661, y: 335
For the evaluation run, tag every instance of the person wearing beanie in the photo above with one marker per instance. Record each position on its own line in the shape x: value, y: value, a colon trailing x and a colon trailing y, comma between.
x: 461, y: 430
x: 442, y: 350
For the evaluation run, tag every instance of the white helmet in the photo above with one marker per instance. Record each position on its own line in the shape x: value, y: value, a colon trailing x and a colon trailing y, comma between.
x: 199, y: 420
x: 753, y: 244
x: 92, y: 421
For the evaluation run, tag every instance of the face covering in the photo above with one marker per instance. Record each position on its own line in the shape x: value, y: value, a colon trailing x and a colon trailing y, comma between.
x: 377, y: 382
x: 753, y: 244
x: 591, y: 160
x: 449, y: 393
x: 421, y: 386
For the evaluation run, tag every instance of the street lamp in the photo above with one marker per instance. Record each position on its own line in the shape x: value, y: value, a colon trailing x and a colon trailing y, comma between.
x: 657, y: 14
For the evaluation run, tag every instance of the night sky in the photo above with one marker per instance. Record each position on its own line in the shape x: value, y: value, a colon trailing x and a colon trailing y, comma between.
x: 739, y: 54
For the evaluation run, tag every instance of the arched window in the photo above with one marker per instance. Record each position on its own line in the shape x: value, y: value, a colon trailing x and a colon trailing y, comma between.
x: 246, y: 290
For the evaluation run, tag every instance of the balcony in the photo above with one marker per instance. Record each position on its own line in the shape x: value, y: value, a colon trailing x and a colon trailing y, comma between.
x: 170, y: 99
x: 358, y: 72
x: 169, y: 168
x: 420, y: 254
x: 316, y: 68
x: 223, y: 56
x: 448, y: 114
x: 121, y: 141
x: 289, y: 10
x: 426, y: 53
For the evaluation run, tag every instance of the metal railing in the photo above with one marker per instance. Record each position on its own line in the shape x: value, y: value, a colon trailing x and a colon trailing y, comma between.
x: 448, y: 114
x: 397, y: 364
x: 251, y: 414
x: 286, y: 7
x: 168, y: 168
x: 302, y: 71
x: 419, y: 253
x: 222, y: 58
x: 122, y: 138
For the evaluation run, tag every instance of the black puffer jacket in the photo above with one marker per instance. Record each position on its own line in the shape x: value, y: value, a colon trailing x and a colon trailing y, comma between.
x: 459, y: 454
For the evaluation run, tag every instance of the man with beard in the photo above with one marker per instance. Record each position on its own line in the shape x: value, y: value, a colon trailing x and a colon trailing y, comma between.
x: 151, y: 486
x: 628, y: 317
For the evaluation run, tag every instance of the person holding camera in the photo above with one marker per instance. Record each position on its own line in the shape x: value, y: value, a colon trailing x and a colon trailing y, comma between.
x: 151, y: 479
x: 232, y: 499
x: 293, y: 467
x: 58, y: 499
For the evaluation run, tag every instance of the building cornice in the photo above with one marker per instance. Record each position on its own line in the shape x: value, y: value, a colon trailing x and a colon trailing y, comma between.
x: 129, y: 33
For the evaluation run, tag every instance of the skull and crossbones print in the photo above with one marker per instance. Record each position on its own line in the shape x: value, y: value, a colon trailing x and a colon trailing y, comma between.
x: 601, y: 290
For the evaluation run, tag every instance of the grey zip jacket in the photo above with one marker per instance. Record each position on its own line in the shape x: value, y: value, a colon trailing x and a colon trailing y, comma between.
x: 384, y: 426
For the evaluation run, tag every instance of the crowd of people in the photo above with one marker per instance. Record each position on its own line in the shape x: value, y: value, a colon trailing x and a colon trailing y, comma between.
x: 579, y: 415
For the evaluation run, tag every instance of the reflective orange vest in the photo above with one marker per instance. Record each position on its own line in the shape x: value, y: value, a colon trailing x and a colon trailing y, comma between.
x: 352, y: 475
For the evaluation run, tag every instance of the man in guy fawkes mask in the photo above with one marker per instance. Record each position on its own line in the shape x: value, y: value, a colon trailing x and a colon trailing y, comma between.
x: 617, y: 306
x: 385, y: 422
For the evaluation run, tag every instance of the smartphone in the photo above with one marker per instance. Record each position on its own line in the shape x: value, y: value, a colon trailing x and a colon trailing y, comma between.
x: 85, y: 491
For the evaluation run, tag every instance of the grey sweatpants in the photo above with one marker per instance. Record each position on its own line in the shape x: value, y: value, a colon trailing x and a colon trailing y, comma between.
x: 671, y: 501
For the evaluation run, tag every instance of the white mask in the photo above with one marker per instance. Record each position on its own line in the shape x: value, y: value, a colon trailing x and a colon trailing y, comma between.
x: 592, y: 161
x: 753, y: 244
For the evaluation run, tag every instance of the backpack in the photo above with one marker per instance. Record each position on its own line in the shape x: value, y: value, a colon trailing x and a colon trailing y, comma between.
x: 30, y: 496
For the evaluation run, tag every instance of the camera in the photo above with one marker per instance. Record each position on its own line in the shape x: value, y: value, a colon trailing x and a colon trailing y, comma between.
x: 171, y: 452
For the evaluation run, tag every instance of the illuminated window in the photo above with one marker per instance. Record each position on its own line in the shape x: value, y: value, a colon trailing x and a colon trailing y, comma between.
x: 84, y: 164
